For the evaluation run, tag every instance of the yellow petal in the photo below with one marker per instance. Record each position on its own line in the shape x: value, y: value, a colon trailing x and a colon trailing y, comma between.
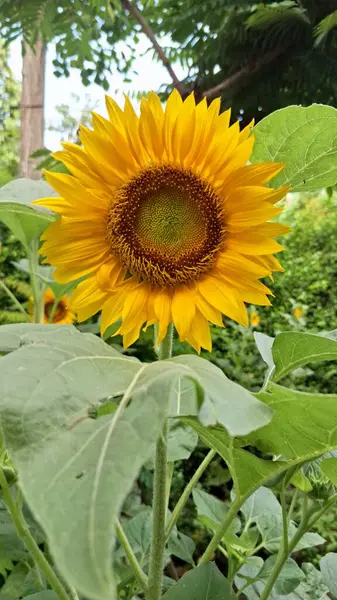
x: 162, y: 309
x: 212, y: 314
x: 200, y: 331
x: 135, y: 307
x: 223, y: 297
x: 88, y: 298
x: 183, y: 309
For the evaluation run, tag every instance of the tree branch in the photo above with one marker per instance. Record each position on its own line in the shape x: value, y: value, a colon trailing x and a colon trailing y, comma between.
x: 252, y: 67
x: 133, y: 10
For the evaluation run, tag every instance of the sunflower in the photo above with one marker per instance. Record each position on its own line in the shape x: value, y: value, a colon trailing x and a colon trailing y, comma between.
x: 59, y: 313
x: 298, y: 312
x: 254, y: 319
x: 165, y: 218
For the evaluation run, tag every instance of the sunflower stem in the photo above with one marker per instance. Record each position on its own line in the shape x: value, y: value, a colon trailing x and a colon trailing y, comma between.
x: 159, y: 495
x: 33, y: 261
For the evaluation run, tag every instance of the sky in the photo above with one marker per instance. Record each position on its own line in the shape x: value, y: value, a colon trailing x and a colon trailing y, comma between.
x: 151, y: 74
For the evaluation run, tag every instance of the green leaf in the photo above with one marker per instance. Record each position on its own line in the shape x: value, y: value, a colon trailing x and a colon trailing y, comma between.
x: 264, y: 345
x: 55, y: 380
x: 310, y: 587
x: 305, y: 140
x: 301, y: 482
x: 11, y: 545
x: 181, y: 441
x: 209, y: 506
x: 25, y: 191
x: 5, y: 564
x: 248, y: 471
x: 264, y: 509
x: 313, y: 588
x: 14, y: 336
x: 225, y: 402
x: 27, y: 223
x: 328, y: 566
x: 202, y: 583
x: 288, y: 579
x: 138, y: 530
x: 295, y: 349
x: 22, y: 581
x: 329, y: 468
x: 262, y: 503
x: 182, y: 546
x: 303, y: 426
x: 249, y: 570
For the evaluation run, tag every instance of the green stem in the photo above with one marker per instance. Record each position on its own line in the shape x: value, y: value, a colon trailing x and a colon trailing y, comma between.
x: 284, y: 518
x: 187, y: 491
x: 139, y: 573
x: 33, y: 260
x: 53, y: 311
x: 73, y: 594
x: 169, y: 475
x: 164, y: 349
x: 27, y: 538
x: 158, y: 518
x: 285, y: 552
x: 13, y: 298
x: 220, y: 532
x: 159, y: 495
x: 292, y: 504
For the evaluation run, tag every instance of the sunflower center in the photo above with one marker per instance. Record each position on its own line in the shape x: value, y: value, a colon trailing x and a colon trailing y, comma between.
x: 58, y: 314
x: 166, y: 226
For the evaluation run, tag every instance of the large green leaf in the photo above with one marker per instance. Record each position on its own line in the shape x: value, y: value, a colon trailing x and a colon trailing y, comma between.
x: 202, y: 583
x: 14, y: 336
x: 303, y: 427
x: 27, y: 223
x: 305, y: 140
x: 225, y: 402
x: 24, y: 191
x: 328, y: 566
x: 247, y: 470
x: 75, y: 471
x: 295, y: 349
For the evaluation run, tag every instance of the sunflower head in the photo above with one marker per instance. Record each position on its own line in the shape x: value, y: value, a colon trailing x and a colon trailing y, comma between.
x: 165, y: 219
x: 298, y: 312
x: 59, y: 313
x: 254, y: 318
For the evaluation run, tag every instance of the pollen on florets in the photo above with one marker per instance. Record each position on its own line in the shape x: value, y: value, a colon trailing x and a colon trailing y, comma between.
x: 166, y: 225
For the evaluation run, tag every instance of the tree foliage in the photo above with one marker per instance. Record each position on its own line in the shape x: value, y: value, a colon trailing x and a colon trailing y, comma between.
x: 9, y: 114
x: 259, y: 57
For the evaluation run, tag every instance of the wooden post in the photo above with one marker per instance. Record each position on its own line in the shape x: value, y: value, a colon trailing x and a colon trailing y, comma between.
x: 32, y: 108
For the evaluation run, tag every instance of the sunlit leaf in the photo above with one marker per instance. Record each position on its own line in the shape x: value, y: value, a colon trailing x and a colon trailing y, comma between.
x: 27, y: 223
x: 295, y: 349
x: 329, y: 468
x: 305, y: 140
x: 225, y: 402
